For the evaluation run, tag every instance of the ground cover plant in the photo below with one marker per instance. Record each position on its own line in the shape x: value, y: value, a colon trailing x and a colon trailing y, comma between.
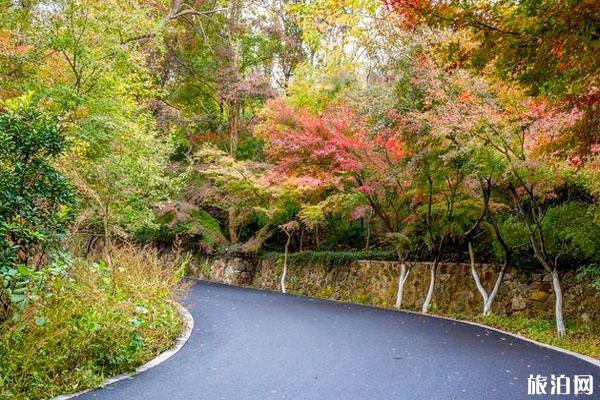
x: 85, y: 322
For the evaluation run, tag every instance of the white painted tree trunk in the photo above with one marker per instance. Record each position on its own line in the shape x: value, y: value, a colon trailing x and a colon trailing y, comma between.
x: 285, y: 257
x: 401, y: 281
x: 488, y: 299
x: 560, y: 324
x: 427, y: 303
x: 553, y: 271
x: 475, y: 275
x: 487, y: 308
x: 283, y: 275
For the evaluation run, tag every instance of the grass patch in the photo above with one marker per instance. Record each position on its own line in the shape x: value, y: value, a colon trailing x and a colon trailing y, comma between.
x: 583, y: 338
x: 90, y: 323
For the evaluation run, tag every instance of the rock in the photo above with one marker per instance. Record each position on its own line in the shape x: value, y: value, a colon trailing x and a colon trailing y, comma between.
x: 219, y: 263
x: 539, y: 295
x: 518, y: 304
x: 585, y: 317
x: 535, y: 285
x: 235, y: 264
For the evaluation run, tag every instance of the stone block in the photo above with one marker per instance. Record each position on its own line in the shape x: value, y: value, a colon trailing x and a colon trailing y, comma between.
x: 539, y: 295
x: 518, y: 304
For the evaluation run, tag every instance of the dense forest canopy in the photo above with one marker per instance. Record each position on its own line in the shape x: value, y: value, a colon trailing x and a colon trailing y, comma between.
x: 437, y: 130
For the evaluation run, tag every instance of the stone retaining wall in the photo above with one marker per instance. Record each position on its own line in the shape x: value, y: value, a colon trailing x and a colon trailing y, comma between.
x: 232, y: 271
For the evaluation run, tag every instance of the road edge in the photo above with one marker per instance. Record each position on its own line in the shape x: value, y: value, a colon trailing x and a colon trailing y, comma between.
x: 180, y: 341
x: 580, y: 356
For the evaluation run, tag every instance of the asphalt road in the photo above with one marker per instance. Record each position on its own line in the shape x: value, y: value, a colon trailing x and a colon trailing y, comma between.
x: 249, y: 344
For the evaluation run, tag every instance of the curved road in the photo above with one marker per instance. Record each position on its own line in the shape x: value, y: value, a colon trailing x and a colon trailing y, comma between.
x: 249, y: 344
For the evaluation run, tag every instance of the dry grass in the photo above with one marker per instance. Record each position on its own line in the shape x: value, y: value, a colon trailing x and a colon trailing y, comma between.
x: 94, y: 323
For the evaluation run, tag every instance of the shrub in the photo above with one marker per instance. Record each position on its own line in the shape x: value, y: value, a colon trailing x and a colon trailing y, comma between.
x: 34, y: 196
x: 90, y: 323
x: 35, y: 199
x: 591, y: 272
x: 332, y: 258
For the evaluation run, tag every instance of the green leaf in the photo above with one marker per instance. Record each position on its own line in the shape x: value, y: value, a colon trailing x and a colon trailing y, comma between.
x: 24, y: 270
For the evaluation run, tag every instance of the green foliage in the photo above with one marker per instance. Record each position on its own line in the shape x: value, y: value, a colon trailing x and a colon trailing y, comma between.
x: 591, y: 272
x: 571, y: 234
x: 583, y: 337
x: 312, y: 216
x: 547, y: 45
x: 332, y: 258
x: 205, y: 228
x: 516, y: 238
x: 125, y: 184
x: 316, y: 89
x: 35, y: 199
x: 250, y: 148
x: 88, y: 323
x: 82, y: 60
x: 408, y: 96
x: 322, y: 20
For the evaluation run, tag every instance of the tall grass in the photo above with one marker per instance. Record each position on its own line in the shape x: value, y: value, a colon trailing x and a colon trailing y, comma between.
x: 91, y: 324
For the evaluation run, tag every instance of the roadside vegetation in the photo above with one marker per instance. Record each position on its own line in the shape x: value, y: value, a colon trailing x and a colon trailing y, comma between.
x: 83, y: 322
x: 582, y: 338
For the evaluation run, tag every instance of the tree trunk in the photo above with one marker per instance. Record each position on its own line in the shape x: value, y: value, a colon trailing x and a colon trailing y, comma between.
x: 90, y: 245
x: 432, y: 271
x: 234, y: 127
x: 475, y: 275
x: 487, y: 308
x: 233, y: 237
x: 107, y: 239
x: 401, y: 281
x: 285, y: 257
x: 368, y: 223
x: 560, y: 325
x: 488, y: 299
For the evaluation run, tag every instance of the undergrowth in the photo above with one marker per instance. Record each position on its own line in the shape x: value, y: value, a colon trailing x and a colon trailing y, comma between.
x: 89, y: 323
x: 331, y: 258
x: 582, y: 337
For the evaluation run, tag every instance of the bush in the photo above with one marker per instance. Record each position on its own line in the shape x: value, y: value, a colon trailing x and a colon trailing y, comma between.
x: 35, y: 199
x: 332, y: 258
x: 89, y: 323
x: 34, y: 196
x: 592, y: 273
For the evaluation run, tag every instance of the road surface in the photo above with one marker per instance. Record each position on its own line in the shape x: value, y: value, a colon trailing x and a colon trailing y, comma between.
x: 249, y: 344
